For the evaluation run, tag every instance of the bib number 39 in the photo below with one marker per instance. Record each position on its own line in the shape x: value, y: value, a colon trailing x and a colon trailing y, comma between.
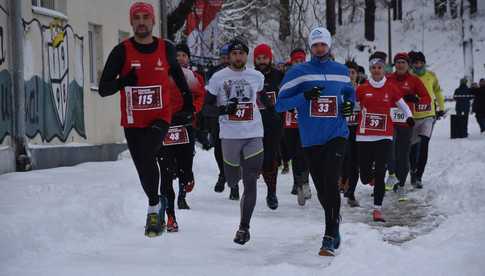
x: 375, y: 122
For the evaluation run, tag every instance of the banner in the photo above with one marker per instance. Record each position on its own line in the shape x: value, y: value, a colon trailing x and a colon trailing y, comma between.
x: 202, y: 29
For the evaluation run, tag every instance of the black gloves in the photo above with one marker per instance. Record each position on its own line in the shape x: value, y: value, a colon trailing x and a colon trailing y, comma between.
x: 160, y: 126
x: 313, y: 93
x: 348, y: 107
x: 182, y: 118
x: 230, y: 108
x: 440, y: 114
x: 410, y: 121
x: 411, y: 98
x: 129, y: 79
x: 188, y: 102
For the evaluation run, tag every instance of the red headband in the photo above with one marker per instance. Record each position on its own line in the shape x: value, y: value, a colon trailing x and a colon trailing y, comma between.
x: 142, y: 7
x: 298, y: 55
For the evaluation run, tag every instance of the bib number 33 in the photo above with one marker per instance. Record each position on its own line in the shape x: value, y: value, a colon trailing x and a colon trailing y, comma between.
x: 324, y: 107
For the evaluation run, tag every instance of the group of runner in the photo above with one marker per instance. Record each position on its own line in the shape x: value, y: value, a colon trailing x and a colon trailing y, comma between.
x: 321, y: 116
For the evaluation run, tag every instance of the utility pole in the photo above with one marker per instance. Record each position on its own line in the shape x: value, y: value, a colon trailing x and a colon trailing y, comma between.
x: 389, y: 31
x: 22, y: 155
x: 163, y: 19
x: 467, y: 40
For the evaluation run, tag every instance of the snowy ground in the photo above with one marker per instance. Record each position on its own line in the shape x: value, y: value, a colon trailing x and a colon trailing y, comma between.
x: 88, y: 220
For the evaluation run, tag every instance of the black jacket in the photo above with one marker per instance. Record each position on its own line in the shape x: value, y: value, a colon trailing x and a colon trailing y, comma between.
x: 271, y: 118
x: 479, y: 101
x: 462, y: 98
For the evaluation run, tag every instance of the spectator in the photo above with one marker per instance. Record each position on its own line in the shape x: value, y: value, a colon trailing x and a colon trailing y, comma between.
x: 462, y: 98
x: 479, y: 105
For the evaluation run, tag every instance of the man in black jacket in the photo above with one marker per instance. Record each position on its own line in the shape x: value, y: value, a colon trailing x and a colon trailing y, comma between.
x: 479, y: 105
x: 271, y: 119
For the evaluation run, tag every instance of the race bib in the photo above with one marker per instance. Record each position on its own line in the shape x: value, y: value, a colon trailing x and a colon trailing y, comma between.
x: 325, y: 106
x: 352, y: 119
x: 397, y: 115
x: 142, y: 98
x: 375, y: 121
x: 176, y: 135
x: 243, y: 113
x: 291, y: 119
x: 271, y: 96
x: 422, y: 107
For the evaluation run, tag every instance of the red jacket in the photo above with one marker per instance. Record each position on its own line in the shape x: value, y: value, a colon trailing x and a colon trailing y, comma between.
x: 375, y: 103
x: 411, y: 85
x: 196, y: 87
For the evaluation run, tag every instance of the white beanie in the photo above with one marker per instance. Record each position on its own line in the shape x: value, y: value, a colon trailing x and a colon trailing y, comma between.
x: 320, y: 35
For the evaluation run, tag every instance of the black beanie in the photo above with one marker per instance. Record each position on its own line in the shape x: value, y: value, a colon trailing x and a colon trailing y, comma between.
x: 237, y: 44
x: 416, y: 56
x: 183, y: 48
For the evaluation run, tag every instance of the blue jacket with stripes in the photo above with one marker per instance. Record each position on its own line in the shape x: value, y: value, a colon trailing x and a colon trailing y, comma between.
x: 317, y: 128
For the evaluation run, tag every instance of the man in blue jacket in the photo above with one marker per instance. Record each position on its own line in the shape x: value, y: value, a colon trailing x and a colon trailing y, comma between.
x: 321, y: 92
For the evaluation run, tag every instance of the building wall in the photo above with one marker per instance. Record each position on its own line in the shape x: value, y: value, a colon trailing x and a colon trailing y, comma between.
x: 63, y: 107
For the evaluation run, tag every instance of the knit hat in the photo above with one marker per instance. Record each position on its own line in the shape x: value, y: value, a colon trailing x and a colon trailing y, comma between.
x: 237, y: 44
x: 297, y: 54
x: 320, y: 35
x: 263, y: 49
x: 378, y: 55
x: 402, y: 55
x: 142, y: 7
x: 416, y: 56
x: 224, y: 51
x: 183, y: 48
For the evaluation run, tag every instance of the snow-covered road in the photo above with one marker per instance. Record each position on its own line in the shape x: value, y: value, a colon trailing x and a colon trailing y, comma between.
x: 89, y: 219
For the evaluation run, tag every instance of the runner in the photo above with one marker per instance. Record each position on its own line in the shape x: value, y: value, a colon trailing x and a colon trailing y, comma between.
x: 272, y: 123
x: 321, y: 92
x: 176, y: 156
x: 413, y: 92
x: 294, y: 150
x: 350, y: 171
x: 425, y: 116
x: 185, y: 175
x: 234, y: 90
x: 374, y: 134
x: 143, y: 64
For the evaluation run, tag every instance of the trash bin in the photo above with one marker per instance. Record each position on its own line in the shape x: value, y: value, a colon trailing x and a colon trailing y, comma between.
x: 459, y: 126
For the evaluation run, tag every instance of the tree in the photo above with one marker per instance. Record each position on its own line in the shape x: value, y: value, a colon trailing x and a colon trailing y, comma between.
x: 440, y: 7
x: 370, y: 17
x: 284, y: 19
x: 330, y: 15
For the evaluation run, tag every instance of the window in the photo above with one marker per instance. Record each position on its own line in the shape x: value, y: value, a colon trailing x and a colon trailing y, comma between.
x: 51, y: 8
x: 95, y: 54
x: 48, y: 4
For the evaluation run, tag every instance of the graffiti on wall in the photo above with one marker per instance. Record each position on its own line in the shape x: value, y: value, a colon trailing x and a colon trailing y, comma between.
x: 6, y: 103
x: 54, y: 78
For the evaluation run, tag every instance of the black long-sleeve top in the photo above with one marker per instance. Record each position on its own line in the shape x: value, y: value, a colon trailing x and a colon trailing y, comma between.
x: 109, y: 83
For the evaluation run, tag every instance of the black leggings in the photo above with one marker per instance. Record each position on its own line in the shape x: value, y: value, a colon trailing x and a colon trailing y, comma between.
x: 143, y: 144
x: 296, y: 154
x: 176, y: 162
x: 419, y: 156
x: 325, y: 167
x: 373, y: 158
x: 216, y: 142
x: 350, y: 170
x: 271, y: 144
